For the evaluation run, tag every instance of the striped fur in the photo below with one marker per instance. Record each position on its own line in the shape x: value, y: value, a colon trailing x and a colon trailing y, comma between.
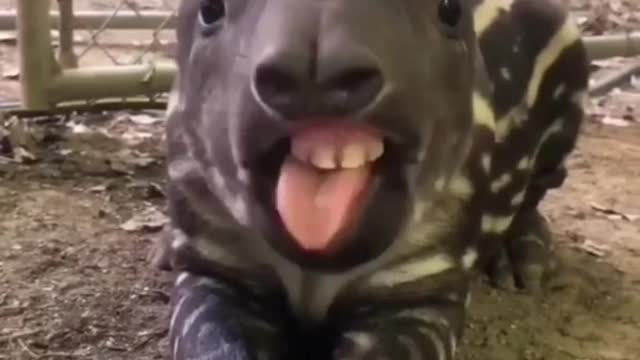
x: 232, y: 301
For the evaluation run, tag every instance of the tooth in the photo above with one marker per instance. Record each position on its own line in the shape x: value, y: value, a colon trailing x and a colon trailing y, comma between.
x: 375, y: 150
x: 353, y: 156
x: 323, y: 157
x: 300, y: 150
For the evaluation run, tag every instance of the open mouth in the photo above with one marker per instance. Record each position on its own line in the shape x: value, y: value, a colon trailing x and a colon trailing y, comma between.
x: 319, y: 181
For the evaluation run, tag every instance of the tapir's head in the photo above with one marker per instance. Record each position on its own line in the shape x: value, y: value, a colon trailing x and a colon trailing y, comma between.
x: 326, y: 119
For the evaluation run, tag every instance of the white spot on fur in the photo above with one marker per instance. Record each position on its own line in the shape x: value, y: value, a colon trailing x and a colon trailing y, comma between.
x: 176, y: 312
x: 176, y: 346
x: 500, y: 183
x: 179, y: 239
x: 421, y: 154
x: 218, y: 180
x: 524, y: 163
x: 518, y: 198
x: 213, y: 252
x: 432, y: 335
x: 452, y: 296
x: 505, y: 73
x: 181, y: 168
x: 482, y: 112
x: 460, y: 187
x: 234, y: 202
x: 191, y: 319
x: 418, y: 211
x: 487, y: 12
x: 181, y: 278
x: 439, y: 184
x: 513, y: 119
x: 559, y: 91
x: 534, y: 239
x: 486, y: 162
x: 243, y: 175
x: 239, y: 209
x: 427, y: 315
x: 363, y: 341
x: 556, y: 127
x: 453, y: 340
x: 208, y: 283
x: 413, y: 270
x: 564, y: 37
x: 433, y: 317
x: 469, y: 258
x: 492, y: 224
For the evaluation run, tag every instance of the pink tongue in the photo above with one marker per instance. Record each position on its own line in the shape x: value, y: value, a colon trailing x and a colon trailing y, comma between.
x: 318, y: 206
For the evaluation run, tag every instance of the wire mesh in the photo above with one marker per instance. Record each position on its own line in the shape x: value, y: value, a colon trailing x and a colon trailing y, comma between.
x: 104, y: 40
x: 119, y: 34
x: 123, y: 47
x: 103, y: 46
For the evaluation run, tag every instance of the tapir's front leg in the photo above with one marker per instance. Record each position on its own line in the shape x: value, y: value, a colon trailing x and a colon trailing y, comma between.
x: 427, y: 331
x: 212, y: 321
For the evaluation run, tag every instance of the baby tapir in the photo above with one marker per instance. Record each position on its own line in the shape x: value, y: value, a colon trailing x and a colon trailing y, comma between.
x: 338, y: 169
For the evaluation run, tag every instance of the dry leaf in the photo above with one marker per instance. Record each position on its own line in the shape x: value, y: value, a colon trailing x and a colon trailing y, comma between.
x: 635, y: 82
x: 144, y: 119
x: 9, y: 38
x: 22, y: 155
x: 78, y: 128
x: 608, y: 120
x: 593, y: 248
x: 11, y: 73
x: 150, y: 219
x: 613, y: 214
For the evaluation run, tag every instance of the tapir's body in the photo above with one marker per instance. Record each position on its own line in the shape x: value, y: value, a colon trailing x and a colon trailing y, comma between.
x: 466, y: 109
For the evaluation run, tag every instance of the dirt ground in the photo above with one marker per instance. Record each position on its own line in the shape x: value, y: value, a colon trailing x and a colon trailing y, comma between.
x: 79, y: 209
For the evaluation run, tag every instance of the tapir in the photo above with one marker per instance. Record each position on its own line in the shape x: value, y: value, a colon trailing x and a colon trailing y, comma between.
x: 339, y: 171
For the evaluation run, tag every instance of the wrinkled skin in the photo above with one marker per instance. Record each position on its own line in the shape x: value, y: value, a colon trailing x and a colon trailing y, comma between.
x: 452, y: 186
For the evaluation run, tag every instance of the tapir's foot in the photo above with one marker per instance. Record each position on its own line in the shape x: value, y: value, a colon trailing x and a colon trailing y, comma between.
x: 526, y: 260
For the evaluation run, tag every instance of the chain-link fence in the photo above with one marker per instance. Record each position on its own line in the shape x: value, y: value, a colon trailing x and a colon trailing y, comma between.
x: 74, y: 56
x: 101, y: 54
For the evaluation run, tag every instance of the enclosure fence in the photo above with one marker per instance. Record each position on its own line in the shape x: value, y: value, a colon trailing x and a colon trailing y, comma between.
x: 98, y: 58
x: 118, y: 56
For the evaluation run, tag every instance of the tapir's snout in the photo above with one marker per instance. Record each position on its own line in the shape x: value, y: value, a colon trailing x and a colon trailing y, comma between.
x: 293, y: 79
x: 317, y: 59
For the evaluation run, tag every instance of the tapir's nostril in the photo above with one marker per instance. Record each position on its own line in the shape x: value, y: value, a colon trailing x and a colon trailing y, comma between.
x: 353, y: 79
x: 353, y: 89
x: 337, y: 86
x: 276, y: 87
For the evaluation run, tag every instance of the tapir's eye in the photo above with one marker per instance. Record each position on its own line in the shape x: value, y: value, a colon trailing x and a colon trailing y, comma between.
x: 211, y: 12
x: 450, y: 12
